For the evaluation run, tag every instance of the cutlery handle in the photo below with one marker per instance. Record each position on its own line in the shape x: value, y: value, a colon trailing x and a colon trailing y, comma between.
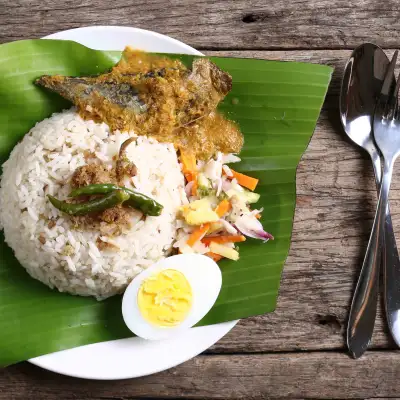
x: 364, y: 304
x: 391, y: 268
x: 391, y: 280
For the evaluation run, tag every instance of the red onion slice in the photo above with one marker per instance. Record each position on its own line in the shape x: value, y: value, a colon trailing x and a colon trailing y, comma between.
x: 252, y: 227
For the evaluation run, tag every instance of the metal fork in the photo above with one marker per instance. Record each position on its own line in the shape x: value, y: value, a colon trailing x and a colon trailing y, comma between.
x: 387, y: 138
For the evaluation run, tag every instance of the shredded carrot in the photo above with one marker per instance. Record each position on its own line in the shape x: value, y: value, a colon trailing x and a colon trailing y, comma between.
x: 188, y: 165
x: 245, y: 180
x: 214, y: 256
x: 198, y: 234
x: 190, y: 176
x: 223, y: 208
x: 194, y: 188
x: 258, y: 216
x: 223, y: 239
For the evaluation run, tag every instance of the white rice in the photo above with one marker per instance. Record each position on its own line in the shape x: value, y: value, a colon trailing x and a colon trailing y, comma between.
x: 69, y: 259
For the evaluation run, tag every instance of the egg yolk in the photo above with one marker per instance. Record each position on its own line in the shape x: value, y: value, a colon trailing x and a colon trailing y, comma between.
x: 165, y: 299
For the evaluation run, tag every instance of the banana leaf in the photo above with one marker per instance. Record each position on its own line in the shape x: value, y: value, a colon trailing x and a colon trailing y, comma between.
x: 276, y: 104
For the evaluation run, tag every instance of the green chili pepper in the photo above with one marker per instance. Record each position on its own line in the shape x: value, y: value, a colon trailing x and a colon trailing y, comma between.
x: 98, y: 188
x: 96, y: 205
x: 136, y: 200
x: 143, y: 203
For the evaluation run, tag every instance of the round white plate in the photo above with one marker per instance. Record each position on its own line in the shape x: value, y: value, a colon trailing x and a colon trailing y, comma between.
x: 133, y: 357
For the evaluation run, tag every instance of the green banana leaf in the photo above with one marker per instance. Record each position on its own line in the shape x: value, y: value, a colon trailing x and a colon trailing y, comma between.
x: 276, y: 104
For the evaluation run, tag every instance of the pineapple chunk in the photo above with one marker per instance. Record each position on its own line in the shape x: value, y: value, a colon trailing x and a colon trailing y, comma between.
x: 214, y: 227
x: 224, y: 251
x: 201, y: 217
x: 196, y: 205
x: 199, y: 212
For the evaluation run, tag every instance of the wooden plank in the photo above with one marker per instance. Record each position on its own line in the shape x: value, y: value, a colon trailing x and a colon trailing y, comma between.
x: 229, y: 24
x: 336, y: 199
x: 322, y: 375
x: 335, y: 207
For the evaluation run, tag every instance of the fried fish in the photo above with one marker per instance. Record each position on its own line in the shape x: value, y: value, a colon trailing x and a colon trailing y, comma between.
x: 154, y: 96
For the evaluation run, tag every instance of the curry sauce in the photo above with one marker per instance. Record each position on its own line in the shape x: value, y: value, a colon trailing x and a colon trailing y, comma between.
x: 160, y: 97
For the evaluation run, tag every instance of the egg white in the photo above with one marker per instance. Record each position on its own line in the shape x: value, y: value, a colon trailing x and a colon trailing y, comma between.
x: 205, y: 279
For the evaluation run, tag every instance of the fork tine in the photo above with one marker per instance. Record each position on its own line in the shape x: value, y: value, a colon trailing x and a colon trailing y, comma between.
x: 396, y: 90
x: 396, y: 98
x: 389, y: 75
x: 387, y: 97
x: 396, y: 114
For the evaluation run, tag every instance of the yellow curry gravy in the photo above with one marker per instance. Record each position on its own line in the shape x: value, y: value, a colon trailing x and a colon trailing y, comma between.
x: 180, y: 105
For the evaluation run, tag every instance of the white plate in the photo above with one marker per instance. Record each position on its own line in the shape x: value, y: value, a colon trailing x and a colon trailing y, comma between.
x: 133, y: 357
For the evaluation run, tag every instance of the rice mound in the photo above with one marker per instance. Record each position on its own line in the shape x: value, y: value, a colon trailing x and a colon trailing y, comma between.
x: 59, y: 255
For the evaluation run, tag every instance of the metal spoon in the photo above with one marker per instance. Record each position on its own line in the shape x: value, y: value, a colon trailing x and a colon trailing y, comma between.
x: 361, y: 86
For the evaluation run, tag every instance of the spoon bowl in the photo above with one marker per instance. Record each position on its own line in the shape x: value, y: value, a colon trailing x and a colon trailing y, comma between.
x: 361, y: 85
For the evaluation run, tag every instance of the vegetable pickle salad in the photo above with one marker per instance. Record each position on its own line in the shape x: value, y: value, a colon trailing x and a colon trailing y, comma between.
x: 219, y: 212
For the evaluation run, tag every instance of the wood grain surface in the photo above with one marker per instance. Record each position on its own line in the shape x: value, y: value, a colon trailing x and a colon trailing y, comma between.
x: 298, y: 351
x: 223, y: 24
x: 317, y: 375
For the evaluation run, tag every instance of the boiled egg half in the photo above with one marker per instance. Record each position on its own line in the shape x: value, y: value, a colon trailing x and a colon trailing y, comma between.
x: 171, y: 296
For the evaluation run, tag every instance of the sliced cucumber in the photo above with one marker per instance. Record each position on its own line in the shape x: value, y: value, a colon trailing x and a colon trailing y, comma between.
x: 204, y: 186
x: 251, y: 196
x: 246, y: 196
x: 203, y: 182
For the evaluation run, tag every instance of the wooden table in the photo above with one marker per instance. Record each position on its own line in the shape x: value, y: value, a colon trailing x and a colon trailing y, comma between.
x: 299, y: 350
